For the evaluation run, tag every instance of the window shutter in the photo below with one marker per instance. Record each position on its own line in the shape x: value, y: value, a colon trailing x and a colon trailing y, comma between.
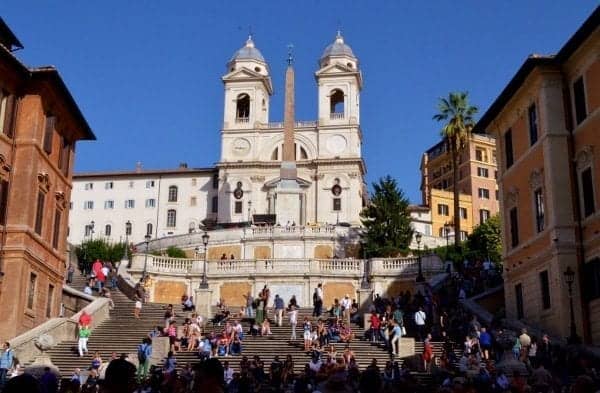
x: 9, y: 115
x: 48, y: 133
x: 3, y: 201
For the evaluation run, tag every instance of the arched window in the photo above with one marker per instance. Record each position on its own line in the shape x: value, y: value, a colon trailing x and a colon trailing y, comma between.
x: 303, y: 154
x: 107, y: 230
x: 128, y: 228
x: 149, y: 229
x: 275, y: 154
x: 171, y: 218
x: 242, y: 112
x: 173, y: 194
x: 336, y: 101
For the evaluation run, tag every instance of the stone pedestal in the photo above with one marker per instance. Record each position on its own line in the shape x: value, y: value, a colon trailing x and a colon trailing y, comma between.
x: 204, y: 301
x: 160, y: 349
x: 365, y: 297
x: 288, y: 207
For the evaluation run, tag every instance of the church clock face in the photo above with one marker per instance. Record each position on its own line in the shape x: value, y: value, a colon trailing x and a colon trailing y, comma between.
x: 336, y: 144
x: 240, y: 147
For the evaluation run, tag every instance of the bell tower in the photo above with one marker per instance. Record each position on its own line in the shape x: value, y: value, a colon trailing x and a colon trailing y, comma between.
x: 340, y: 82
x: 248, y: 89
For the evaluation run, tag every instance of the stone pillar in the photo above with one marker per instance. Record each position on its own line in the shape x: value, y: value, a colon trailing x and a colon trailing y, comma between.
x: 204, y: 301
x: 365, y: 297
x: 160, y: 349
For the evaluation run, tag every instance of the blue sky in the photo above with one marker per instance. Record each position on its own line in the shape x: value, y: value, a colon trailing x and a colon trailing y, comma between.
x: 146, y: 74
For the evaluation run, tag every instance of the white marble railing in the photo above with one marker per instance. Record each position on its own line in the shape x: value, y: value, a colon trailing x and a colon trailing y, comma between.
x: 245, y: 267
x: 336, y: 116
x: 284, y: 231
x: 298, y: 124
x: 242, y: 120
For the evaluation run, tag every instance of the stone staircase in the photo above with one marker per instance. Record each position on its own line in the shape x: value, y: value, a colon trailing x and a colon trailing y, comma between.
x: 122, y: 333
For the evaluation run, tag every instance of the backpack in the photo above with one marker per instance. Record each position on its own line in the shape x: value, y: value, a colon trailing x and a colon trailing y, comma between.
x: 142, y: 353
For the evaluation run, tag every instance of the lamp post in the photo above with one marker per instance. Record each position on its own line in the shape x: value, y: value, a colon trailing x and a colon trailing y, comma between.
x: 146, y: 241
x: 204, y: 283
x: 92, y: 224
x: 249, y: 213
x: 418, y: 237
x: 127, y: 226
x: 570, y: 278
x: 365, y: 280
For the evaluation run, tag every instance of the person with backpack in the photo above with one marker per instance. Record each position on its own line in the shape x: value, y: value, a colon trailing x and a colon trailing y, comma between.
x: 6, y: 363
x: 144, y: 352
x: 318, y: 301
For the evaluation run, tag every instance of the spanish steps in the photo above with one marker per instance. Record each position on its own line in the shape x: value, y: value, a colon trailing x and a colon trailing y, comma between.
x: 122, y: 333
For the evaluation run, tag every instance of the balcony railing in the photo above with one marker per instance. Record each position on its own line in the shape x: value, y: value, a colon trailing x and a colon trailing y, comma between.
x: 298, y: 124
x: 281, y: 232
x: 336, y: 116
x: 242, y: 120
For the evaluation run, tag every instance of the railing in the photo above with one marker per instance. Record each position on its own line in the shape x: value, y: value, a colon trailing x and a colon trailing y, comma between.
x: 242, y: 120
x: 298, y: 124
x: 352, y: 266
x: 336, y: 116
x: 283, y: 231
x: 410, y: 265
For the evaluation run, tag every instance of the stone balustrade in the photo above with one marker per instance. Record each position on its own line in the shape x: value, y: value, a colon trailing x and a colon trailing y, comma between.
x: 273, y: 232
x: 347, y: 267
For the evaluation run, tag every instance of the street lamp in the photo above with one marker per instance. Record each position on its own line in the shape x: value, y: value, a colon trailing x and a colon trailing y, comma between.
x: 570, y: 278
x: 204, y: 283
x: 249, y: 212
x: 418, y: 237
x: 92, y: 223
x: 147, y: 240
x: 127, y: 228
x: 365, y: 280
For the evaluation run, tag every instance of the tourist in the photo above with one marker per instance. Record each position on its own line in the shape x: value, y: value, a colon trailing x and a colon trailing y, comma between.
x: 336, y: 309
x: 318, y: 301
x: 75, y: 381
x: 427, y: 352
x: 70, y: 272
x: 420, y: 321
x: 227, y: 373
x: 375, y: 327
x: 293, y: 315
x: 224, y: 257
x: 395, y: 341
x: 279, y: 307
x: 96, y: 361
x: 88, y: 288
x: 6, y: 363
x: 288, y: 370
x: 172, y: 334
x: 169, y: 367
x: 84, y: 335
x: 265, y: 293
x: 275, y: 372
x: 187, y: 304
x: 249, y: 304
x: 144, y: 351
x: 138, y: 307
x: 355, y: 317
x: 204, y: 348
x: 306, y: 328
x: 49, y: 381
x: 265, y: 329
x: 485, y: 341
x: 346, y: 305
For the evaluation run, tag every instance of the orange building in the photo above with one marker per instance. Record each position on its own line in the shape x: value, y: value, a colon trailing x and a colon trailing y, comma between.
x: 547, y: 123
x: 477, y: 183
x: 39, y: 125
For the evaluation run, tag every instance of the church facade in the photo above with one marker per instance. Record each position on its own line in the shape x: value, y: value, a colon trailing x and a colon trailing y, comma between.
x: 246, y: 184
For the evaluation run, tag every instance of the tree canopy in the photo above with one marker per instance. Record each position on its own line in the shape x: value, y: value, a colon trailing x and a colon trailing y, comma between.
x: 486, y: 241
x: 386, y: 220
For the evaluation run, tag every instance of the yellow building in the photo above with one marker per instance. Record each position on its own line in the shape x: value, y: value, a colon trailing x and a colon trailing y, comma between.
x: 442, y: 213
x: 477, y: 183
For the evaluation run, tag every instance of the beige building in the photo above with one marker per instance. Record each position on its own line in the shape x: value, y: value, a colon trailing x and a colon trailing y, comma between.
x: 546, y: 121
x: 477, y: 184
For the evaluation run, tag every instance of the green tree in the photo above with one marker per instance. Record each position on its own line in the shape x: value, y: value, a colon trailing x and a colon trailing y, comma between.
x: 486, y: 241
x: 386, y: 220
x: 88, y: 251
x: 459, y: 117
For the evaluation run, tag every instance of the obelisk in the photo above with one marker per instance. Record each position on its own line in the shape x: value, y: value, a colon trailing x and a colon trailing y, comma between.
x: 289, y: 195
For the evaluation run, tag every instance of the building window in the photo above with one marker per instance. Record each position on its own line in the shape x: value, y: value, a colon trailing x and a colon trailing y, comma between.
x: 49, y: 301
x: 591, y: 279
x: 130, y: 204
x: 109, y: 204
x: 7, y: 102
x: 193, y: 201
x: 480, y: 155
x: 171, y: 218
x: 173, y: 194
x: 88, y: 205
x: 149, y: 228
x: 238, y: 205
x: 107, y: 230
x: 496, y: 175
x: 39, y: 213
x: 88, y: 230
x: 31, y: 290
x: 128, y: 228
x: 49, y: 133
x: 337, y: 204
x: 443, y: 210
x: 108, y: 185
x: 242, y: 110
x: 64, y: 156
x: 508, y: 148
x: 484, y: 215
x: 482, y: 172
x: 514, y: 227
x: 587, y: 189
x: 579, y: 97
x: 545, y: 287
x: 463, y: 213
x: 519, y: 301
x: 336, y: 101
x: 150, y: 184
x: 215, y: 204
x: 56, y: 229
x: 89, y: 186
x: 483, y: 193
x: 215, y: 181
x: 538, y: 199
x: 3, y: 200
x: 533, y: 126
x: 150, y: 202
x: 463, y: 235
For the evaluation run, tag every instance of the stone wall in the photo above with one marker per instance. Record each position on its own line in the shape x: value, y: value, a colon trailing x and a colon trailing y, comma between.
x: 337, y: 290
x: 73, y: 301
x: 323, y: 251
x: 216, y: 252
x: 168, y: 291
x: 262, y: 252
x: 233, y: 292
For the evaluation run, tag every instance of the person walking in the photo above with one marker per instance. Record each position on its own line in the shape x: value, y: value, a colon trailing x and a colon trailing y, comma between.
x: 6, y: 363
x: 346, y: 305
x: 249, y: 304
x: 138, y: 307
x: 84, y: 335
x: 144, y: 352
x: 293, y: 314
x: 318, y: 301
x: 420, y: 320
x: 279, y: 307
x: 395, y: 341
x: 70, y: 272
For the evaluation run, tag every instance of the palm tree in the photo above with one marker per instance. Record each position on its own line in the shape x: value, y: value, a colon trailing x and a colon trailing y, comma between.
x: 459, y: 117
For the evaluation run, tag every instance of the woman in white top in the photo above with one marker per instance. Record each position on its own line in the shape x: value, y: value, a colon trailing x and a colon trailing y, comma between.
x: 306, y: 327
x: 293, y: 314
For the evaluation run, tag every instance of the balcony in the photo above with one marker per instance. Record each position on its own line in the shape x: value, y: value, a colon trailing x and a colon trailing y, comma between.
x: 242, y: 120
x: 336, y: 116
